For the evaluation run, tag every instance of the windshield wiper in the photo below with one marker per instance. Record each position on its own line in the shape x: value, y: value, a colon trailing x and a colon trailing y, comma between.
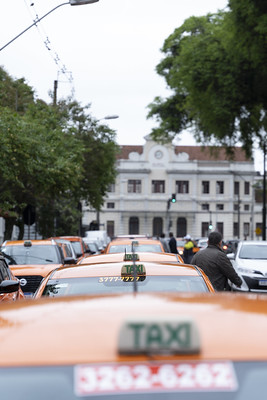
x: 9, y: 258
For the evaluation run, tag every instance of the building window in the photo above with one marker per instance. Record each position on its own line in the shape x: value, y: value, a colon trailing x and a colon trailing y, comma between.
x: 134, y: 226
x: 111, y: 229
x: 205, y: 229
x: 158, y: 186
x: 205, y: 187
x: 246, y: 188
x: 111, y: 188
x: 219, y: 207
x: 182, y: 187
x: 134, y: 186
x: 220, y: 227
x: 236, y: 207
x: 246, y: 207
x: 246, y: 229
x: 110, y: 205
x: 236, y: 229
x: 205, y: 207
x: 236, y: 188
x: 219, y: 187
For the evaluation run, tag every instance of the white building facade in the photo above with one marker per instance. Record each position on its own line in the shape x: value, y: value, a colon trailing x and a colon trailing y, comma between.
x: 211, y: 193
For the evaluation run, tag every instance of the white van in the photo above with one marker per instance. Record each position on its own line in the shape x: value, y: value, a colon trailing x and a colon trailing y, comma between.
x: 100, y: 237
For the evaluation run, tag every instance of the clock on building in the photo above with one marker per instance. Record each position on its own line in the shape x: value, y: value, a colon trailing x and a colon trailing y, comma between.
x: 158, y: 154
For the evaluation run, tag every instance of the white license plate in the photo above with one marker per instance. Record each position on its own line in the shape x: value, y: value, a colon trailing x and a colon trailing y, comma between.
x: 263, y: 283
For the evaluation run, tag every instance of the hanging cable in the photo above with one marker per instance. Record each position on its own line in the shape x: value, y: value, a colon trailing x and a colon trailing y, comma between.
x: 61, y: 67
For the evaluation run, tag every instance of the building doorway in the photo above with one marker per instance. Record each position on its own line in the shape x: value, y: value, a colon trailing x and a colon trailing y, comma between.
x: 157, y: 226
x: 133, y: 226
x: 181, y: 227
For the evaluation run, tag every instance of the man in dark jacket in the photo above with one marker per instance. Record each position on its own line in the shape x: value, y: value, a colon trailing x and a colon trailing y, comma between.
x: 216, y: 265
x: 172, y: 243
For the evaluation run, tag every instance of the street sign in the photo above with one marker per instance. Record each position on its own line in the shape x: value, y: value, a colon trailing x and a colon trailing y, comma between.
x: 258, y: 231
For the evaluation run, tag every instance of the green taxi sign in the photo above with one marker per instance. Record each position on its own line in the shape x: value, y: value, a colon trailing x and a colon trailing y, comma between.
x: 162, y: 335
x: 128, y: 270
x: 131, y: 257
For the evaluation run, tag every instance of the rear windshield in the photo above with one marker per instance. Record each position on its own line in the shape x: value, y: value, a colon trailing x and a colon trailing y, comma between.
x: 122, y: 248
x: 116, y: 284
x: 37, y: 254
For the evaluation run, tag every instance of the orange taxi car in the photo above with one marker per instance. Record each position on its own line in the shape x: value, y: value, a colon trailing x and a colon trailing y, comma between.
x: 80, y: 247
x: 131, y: 273
x: 125, y: 244
x: 31, y: 260
x: 146, y: 347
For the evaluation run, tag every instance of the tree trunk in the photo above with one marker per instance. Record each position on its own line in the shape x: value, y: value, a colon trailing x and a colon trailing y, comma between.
x: 9, y: 223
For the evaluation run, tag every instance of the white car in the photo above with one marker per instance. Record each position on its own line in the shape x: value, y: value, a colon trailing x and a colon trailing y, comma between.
x: 250, y: 263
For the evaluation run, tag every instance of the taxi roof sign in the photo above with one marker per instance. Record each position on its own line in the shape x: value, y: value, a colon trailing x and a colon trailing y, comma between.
x: 159, y: 335
x: 131, y: 257
x: 129, y: 269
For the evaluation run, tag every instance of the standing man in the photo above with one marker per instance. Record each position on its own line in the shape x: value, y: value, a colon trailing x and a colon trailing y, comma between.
x: 165, y: 243
x: 188, y: 249
x: 173, y: 243
x: 216, y: 265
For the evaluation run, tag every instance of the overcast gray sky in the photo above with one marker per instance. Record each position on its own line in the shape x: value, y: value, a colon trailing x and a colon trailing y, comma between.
x: 106, y: 53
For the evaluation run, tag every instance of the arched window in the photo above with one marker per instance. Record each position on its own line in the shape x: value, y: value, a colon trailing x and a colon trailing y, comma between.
x: 181, y: 227
x: 157, y: 226
x: 134, y: 226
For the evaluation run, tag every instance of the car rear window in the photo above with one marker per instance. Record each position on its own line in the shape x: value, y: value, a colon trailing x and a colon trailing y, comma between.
x: 122, y: 248
x: 116, y: 284
x: 37, y: 254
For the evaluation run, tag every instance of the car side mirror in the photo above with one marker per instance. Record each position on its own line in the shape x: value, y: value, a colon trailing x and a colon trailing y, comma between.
x: 70, y: 260
x: 231, y: 256
x: 9, y: 286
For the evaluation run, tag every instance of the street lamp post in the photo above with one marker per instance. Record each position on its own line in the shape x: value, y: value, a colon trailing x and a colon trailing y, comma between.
x: 71, y: 2
x: 98, y: 210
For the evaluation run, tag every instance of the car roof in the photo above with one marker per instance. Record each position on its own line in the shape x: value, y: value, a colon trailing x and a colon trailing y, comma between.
x: 43, y: 242
x: 142, y: 256
x: 114, y: 269
x: 73, y: 330
x: 250, y: 242
x: 130, y: 240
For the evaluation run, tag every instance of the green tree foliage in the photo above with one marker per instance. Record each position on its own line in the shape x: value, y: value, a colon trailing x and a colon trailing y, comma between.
x: 216, y: 69
x: 51, y: 158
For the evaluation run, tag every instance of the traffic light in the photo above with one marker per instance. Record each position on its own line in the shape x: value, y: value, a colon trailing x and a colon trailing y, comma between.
x: 173, y: 198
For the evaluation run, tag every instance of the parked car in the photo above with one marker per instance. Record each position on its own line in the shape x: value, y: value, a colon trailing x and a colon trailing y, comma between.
x: 250, y: 262
x: 80, y: 247
x: 114, y: 273
x: 70, y: 256
x: 122, y: 245
x: 135, y: 347
x: 31, y: 260
x: 92, y: 247
x: 230, y: 246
